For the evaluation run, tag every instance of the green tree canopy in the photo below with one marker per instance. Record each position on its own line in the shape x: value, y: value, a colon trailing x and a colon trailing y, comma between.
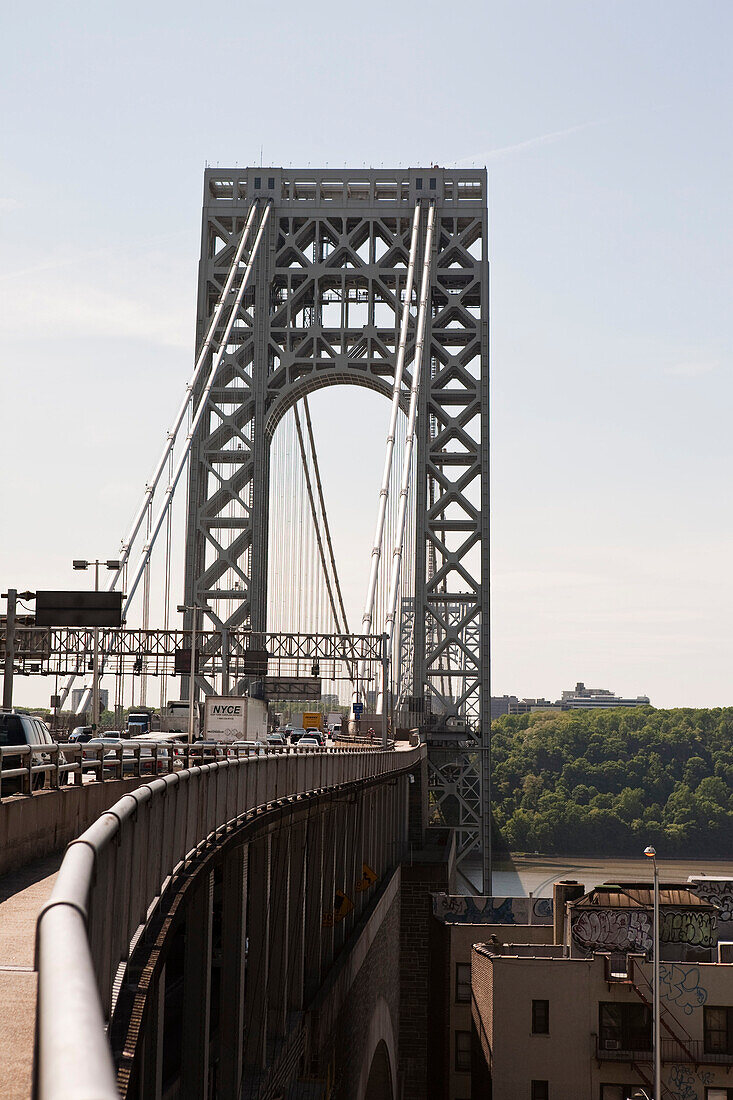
x: 602, y: 781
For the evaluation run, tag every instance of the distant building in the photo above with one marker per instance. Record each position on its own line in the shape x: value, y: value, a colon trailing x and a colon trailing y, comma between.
x: 78, y: 693
x: 500, y: 705
x: 526, y: 706
x: 581, y: 696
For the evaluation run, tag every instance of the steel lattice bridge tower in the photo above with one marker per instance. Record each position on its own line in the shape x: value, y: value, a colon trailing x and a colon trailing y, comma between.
x: 314, y: 245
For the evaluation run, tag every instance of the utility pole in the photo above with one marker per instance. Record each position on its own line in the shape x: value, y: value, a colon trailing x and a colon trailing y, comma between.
x: 194, y: 609
x: 11, y: 596
x: 650, y: 853
x: 82, y: 564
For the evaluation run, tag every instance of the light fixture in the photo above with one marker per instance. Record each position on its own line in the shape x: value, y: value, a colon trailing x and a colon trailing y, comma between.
x: 78, y: 564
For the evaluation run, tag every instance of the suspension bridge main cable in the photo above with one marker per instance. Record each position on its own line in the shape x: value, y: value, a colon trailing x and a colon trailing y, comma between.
x: 200, y: 410
x: 409, y: 442
x: 366, y: 620
x: 152, y: 484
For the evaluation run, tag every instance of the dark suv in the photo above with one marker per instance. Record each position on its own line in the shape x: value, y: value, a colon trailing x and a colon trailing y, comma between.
x: 17, y: 728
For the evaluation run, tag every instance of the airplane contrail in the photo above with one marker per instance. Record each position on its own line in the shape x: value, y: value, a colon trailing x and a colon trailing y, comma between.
x: 532, y: 143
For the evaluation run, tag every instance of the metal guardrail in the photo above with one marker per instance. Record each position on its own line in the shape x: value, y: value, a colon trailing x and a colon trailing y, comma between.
x: 113, y: 876
x: 71, y: 763
x: 691, y: 1051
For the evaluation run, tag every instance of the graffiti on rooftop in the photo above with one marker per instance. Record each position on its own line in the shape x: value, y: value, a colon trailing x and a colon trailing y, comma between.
x: 631, y: 929
x: 455, y: 909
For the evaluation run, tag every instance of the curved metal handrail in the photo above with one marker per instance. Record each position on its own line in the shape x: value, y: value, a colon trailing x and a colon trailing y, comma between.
x: 114, y: 874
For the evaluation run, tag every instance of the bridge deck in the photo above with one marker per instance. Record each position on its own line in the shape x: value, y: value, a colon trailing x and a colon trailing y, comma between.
x: 22, y: 893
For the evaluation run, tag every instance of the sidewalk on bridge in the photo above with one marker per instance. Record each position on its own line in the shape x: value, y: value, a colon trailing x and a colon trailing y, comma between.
x: 22, y: 893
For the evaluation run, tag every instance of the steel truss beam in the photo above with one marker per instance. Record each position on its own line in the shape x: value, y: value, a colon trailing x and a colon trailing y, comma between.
x: 324, y: 308
x: 68, y: 650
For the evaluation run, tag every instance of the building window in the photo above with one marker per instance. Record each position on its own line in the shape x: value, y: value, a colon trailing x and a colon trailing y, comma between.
x: 718, y: 1094
x: 432, y: 183
x: 418, y: 183
x: 540, y: 1091
x: 463, y: 983
x: 718, y: 1027
x: 540, y: 1017
x: 271, y: 182
x: 463, y: 1051
x: 258, y: 182
x: 624, y: 1026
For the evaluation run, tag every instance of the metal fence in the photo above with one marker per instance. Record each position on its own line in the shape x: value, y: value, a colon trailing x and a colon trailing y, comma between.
x: 28, y: 769
x: 113, y: 876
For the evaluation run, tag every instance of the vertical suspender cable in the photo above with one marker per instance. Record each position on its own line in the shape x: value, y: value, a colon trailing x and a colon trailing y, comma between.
x: 314, y: 515
x: 409, y: 441
x: 326, y: 526
x: 200, y: 410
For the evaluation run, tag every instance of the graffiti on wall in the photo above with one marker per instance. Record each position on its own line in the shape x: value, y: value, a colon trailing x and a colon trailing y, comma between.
x: 698, y: 929
x: 680, y: 985
x: 612, y: 929
x: 457, y: 909
x: 631, y: 929
x: 720, y: 892
x: 683, y: 1082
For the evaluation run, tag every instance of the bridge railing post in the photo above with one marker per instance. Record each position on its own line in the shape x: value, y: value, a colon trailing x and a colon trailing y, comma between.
x: 232, y: 987
x: 279, y: 949
x: 197, y: 993
x: 258, y: 957
x: 296, y: 930
x: 313, y: 907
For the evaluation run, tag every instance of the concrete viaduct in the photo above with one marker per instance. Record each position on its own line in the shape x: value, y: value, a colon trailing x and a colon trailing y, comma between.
x: 251, y: 927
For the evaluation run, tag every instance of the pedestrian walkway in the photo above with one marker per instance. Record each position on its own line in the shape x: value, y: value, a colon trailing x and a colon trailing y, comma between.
x: 22, y: 893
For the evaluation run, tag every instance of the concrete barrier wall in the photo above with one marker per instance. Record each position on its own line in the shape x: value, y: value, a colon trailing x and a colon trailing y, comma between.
x: 32, y: 826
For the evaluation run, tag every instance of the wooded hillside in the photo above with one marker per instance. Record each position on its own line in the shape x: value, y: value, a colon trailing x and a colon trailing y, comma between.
x: 611, y: 782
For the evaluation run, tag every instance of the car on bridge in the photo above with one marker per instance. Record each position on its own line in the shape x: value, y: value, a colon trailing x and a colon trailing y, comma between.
x: 119, y: 757
x: 295, y: 733
x: 309, y: 741
x: 20, y: 729
x: 80, y: 734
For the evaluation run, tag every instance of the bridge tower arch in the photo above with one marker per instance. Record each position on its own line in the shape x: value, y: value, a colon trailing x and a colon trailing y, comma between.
x: 323, y: 308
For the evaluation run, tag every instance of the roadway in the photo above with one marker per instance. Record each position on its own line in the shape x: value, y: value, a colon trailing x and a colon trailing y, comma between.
x: 22, y: 893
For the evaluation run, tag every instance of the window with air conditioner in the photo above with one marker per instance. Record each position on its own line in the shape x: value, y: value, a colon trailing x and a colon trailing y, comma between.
x: 624, y: 1026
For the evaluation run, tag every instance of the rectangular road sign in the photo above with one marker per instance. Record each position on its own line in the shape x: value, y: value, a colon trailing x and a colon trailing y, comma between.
x: 78, y: 608
x: 293, y: 687
x: 358, y: 708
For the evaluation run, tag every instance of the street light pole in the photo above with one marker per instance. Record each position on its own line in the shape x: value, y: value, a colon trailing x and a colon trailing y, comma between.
x: 194, y: 609
x: 112, y: 566
x: 95, y: 670
x: 650, y: 853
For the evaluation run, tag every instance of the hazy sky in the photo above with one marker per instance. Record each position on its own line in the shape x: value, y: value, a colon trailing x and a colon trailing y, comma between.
x: 606, y: 129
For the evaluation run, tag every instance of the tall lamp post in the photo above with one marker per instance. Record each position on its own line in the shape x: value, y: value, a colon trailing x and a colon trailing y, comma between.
x: 79, y: 563
x: 194, y: 608
x: 651, y: 854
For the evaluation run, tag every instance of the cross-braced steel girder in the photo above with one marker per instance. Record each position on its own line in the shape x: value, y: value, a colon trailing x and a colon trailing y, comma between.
x: 323, y: 308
